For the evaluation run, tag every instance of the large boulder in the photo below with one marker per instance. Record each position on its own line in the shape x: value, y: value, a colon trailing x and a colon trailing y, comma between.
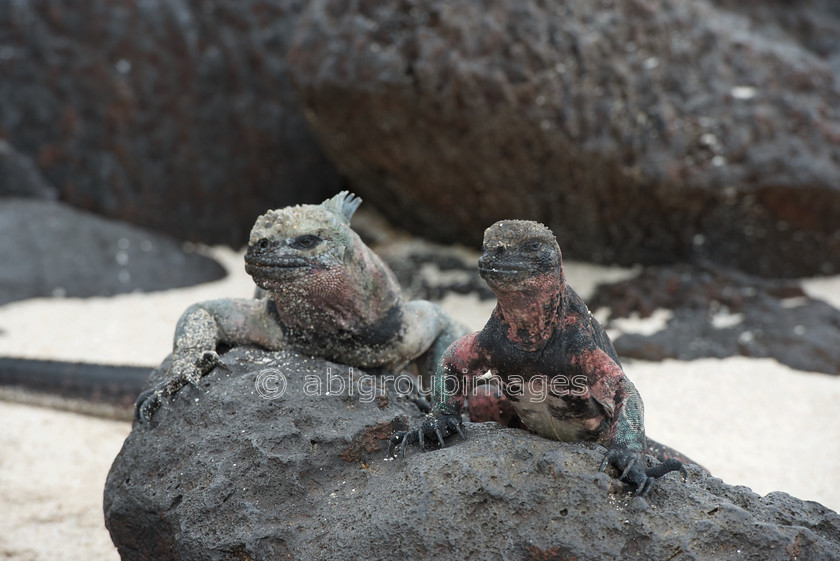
x: 814, y: 24
x: 50, y: 249
x: 639, y: 131
x: 20, y: 177
x: 172, y: 114
x: 271, y: 457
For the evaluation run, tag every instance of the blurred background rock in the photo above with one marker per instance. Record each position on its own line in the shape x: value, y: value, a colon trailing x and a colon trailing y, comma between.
x: 640, y: 131
x: 173, y: 115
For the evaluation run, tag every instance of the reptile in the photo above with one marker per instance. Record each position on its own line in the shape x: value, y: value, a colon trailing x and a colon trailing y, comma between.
x: 550, y: 357
x: 326, y: 294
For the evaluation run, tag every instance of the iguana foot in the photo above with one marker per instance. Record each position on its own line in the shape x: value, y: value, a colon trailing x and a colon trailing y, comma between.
x: 145, y: 405
x: 631, y: 464
x: 437, y: 426
x: 187, y: 370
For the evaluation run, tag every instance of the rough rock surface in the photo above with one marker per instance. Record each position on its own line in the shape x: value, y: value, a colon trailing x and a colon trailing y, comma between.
x: 172, y: 114
x: 719, y: 313
x: 638, y: 131
x: 815, y: 24
x: 226, y: 474
x: 50, y: 249
x: 20, y: 177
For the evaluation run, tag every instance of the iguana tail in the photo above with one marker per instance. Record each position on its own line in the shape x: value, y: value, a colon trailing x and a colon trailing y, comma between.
x: 664, y: 453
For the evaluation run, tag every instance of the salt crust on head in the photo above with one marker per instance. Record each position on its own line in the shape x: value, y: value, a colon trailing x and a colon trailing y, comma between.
x: 331, y: 215
x: 510, y: 232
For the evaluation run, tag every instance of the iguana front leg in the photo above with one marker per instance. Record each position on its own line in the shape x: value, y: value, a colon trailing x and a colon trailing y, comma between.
x: 447, y: 401
x: 199, y: 332
x: 628, y: 443
x: 444, y: 420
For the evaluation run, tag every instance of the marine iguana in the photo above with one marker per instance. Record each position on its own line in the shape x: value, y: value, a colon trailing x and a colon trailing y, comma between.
x: 548, y: 354
x: 326, y: 294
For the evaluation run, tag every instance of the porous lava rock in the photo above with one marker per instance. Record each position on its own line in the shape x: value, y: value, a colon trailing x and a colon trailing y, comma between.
x: 640, y: 131
x: 50, y: 249
x: 237, y: 469
x: 172, y: 114
x: 719, y: 312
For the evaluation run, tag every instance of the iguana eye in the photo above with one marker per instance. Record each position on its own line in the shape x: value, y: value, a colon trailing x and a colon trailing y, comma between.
x: 306, y: 241
x: 532, y: 245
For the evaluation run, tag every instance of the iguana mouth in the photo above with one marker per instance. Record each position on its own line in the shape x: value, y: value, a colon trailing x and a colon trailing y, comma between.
x: 502, y: 276
x: 504, y: 270
x: 277, y: 267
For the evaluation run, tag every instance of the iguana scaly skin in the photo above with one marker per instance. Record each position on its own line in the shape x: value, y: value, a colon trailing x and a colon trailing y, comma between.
x: 327, y: 295
x: 548, y: 354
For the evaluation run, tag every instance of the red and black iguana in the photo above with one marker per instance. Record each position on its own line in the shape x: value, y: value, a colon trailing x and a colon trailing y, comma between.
x: 551, y: 358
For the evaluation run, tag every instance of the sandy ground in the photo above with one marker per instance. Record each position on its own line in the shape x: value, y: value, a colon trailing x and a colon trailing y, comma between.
x: 751, y: 422
x: 52, y: 473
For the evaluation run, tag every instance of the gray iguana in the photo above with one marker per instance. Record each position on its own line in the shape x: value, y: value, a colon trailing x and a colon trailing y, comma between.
x: 549, y: 356
x: 327, y: 295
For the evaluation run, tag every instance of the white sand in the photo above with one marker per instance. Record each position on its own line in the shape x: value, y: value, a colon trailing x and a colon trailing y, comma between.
x: 52, y: 474
x: 130, y: 329
x: 751, y: 422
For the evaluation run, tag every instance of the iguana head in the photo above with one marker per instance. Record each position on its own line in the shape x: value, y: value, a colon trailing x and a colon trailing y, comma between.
x: 515, y: 252
x: 319, y: 272
x: 289, y: 244
x: 521, y: 262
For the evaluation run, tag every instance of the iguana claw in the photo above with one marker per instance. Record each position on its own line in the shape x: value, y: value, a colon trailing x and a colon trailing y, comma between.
x: 460, y: 431
x: 440, y: 437
x: 188, y: 370
x: 631, y: 464
x: 400, y: 438
x: 145, y: 406
x: 438, y: 425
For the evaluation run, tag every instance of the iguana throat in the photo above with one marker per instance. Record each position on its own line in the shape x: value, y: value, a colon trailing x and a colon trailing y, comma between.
x: 532, y: 312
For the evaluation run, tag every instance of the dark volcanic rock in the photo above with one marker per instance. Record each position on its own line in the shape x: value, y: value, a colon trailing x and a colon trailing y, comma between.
x: 223, y: 473
x: 50, y: 249
x: 815, y: 24
x: 429, y: 271
x: 425, y: 270
x: 638, y: 131
x: 19, y: 177
x: 720, y: 313
x: 173, y: 114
